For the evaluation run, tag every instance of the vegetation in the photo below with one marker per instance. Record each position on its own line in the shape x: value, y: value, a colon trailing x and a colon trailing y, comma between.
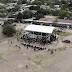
x: 1, y: 7
x: 65, y: 7
x: 24, y: 1
x: 19, y: 2
x: 8, y: 22
x: 56, y: 20
x: 1, y: 56
x: 15, y: 8
x: 2, y: 11
x: 2, y: 15
x: 35, y: 7
x: 27, y: 14
x: 36, y: 2
x: 19, y: 16
x: 6, y: 1
x: 64, y: 13
x: 9, y: 30
x: 52, y: 2
x: 39, y: 16
x: 61, y: 49
x: 43, y: 11
x: 62, y: 33
x: 55, y: 12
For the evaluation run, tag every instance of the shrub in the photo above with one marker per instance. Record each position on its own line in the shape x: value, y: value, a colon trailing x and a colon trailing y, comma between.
x: 9, y: 30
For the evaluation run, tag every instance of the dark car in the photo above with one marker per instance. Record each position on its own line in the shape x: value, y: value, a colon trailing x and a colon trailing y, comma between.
x: 14, y: 24
x: 66, y: 41
x: 0, y: 23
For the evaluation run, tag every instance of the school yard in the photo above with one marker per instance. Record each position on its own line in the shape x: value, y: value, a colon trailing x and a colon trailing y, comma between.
x: 13, y: 59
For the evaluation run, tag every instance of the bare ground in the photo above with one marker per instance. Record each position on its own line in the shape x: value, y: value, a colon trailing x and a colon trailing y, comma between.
x: 13, y: 59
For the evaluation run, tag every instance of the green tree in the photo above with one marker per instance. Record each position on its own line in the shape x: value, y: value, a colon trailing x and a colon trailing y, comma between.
x: 39, y: 16
x: 1, y: 7
x: 55, y: 12
x: 19, y: 2
x: 36, y: 2
x: 27, y: 14
x: 56, y: 20
x: 2, y: 15
x: 43, y: 11
x: 35, y: 7
x: 8, y: 30
x: 63, y: 14
x: 10, y: 21
x: 15, y: 9
x: 64, y: 7
x: 23, y: 1
x: 19, y: 16
x: 6, y: 1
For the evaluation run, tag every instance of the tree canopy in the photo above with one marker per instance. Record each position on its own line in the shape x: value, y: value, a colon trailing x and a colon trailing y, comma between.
x: 19, y: 16
x: 9, y: 30
x: 35, y: 7
x: 39, y: 16
x: 7, y: 1
x: 64, y: 13
x: 27, y: 14
x: 43, y: 11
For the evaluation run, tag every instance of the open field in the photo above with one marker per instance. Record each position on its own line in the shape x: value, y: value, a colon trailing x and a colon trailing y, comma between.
x: 13, y: 59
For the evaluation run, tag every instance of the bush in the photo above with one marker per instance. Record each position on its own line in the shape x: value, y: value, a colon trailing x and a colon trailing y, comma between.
x: 15, y: 9
x: 55, y: 12
x: 39, y: 16
x: 19, y: 16
x: 23, y: 1
x: 35, y: 7
x: 63, y: 14
x: 43, y: 11
x: 27, y: 14
x: 2, y: 15
x: 1, y: 7
x: 10, y: 21
x: 9, y: 30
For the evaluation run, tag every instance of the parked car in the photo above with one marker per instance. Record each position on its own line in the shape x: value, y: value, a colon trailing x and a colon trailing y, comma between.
x: 66, y: 41
x: 0, y: 23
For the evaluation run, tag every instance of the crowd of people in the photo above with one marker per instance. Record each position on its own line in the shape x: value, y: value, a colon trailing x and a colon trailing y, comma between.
x: 42, y: 41
x: 33, y: 46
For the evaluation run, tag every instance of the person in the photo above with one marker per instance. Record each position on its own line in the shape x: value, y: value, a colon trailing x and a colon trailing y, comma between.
x: 55, y: 49
x: 27, y: 47
x: 17, y: 39
x: 34, y: 49
x: 26, y: 66
x: 51, y: 51
x: 19, y: 47
x: 11, y: 42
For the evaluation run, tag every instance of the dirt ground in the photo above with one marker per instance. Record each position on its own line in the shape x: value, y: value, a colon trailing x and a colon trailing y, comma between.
x: 13, y: 59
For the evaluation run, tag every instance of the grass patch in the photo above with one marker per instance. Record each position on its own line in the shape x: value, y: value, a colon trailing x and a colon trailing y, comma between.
x: 70, y: 47
x: 38, y: 62
x: 38, y: 59
x: 1, y: 56
x: 61, y: 49
x: 62, y: 33
x: 29, y: 58
x: 39, y: 56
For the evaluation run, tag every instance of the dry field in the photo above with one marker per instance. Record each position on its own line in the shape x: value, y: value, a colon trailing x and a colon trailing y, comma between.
x: 13, y: 59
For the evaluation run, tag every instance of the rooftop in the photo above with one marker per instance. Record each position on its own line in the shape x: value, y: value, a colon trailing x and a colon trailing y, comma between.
x: 40, y: 28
